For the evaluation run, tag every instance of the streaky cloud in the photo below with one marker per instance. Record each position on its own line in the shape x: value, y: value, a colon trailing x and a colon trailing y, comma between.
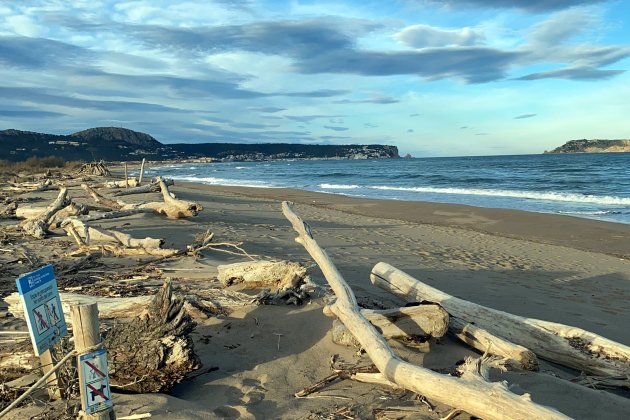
x: 534, y: 6
x: 579, y: 73
x: 520, y: 117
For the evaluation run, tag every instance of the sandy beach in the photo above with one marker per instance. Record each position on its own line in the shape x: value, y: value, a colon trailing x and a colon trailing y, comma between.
x: 556, y: 268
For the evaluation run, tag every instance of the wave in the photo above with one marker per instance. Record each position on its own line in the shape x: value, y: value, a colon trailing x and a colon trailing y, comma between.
x: 528, y: 195
x: 224, y: 181
x: 338, y: 186
x: 592, y: 213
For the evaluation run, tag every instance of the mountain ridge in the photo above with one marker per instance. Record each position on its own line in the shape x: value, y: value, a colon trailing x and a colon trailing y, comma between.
x: 121, y: 144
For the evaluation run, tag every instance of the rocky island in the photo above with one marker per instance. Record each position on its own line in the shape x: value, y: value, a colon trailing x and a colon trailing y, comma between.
x: 120, y: 144
x: 593, y: 146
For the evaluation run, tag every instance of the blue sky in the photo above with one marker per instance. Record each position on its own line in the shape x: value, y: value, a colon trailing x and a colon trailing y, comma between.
x: 435, y: 78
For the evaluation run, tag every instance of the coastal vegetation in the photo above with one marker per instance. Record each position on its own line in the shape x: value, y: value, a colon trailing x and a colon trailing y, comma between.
x: 593, y: 146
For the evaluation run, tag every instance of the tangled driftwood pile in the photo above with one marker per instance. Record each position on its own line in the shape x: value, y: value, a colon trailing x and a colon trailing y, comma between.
x: 153, y: 351
x: 94, y: 168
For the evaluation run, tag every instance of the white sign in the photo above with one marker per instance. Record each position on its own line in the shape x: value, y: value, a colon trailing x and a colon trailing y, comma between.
x: 42, y: 307
x: 97, y: 395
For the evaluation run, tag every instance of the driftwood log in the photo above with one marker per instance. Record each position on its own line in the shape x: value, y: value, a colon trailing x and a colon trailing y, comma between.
x: 131, y: 182
x: 471, y: 392
x: 91, y: 234
x: 512, y: 355
x: 102, y: 200
x: 147, y: 188
x: 416, y: 322
x: 171, y: 207
x: 277, y: 275
x: 38, y: 226
x: 206, y: 300
x: 154, y: 351
x: 559, y: 343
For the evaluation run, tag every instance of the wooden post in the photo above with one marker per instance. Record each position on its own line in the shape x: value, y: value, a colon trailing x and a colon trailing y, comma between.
x: 86, y: 335
x: 126, y: 177
x: 141, y: 171
x: 53, y: 384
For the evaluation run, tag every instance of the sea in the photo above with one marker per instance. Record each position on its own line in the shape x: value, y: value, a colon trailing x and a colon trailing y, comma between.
x: 594, y: 186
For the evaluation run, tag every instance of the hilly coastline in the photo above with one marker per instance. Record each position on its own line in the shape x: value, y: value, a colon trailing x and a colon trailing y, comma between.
x: 593, y: 146
x: 120, y: 144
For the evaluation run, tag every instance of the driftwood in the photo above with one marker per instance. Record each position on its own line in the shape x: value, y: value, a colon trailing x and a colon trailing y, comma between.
x: 94, y: 168
x: 102, y: 200
x: 206, y: 300
x: 512, y: 355
x: 171, y: 207
x: 154, y: 351
x: 277, y: 275
x: 9, y: 211
x: 91, y: 234
x: 132, y: 182
x: 563, y: 344
x: 38, y: 226
x: 114, y: 214
x: 147, y: 188
x: 416, y: 322
x: 471, y: 392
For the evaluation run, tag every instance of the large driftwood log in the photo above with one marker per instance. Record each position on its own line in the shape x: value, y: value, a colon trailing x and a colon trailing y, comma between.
x: 513, y: 355
x: 102, y: 200
x: 38, y: 226
x: 278, y: 275
x: 91, y: 234
x: 173, y: 208
x: 152, y: 187
x: 132, y: 182
x: 154, y: 351
x: 559, y: 343
x: 207, y: 300
x: 114, y: 214
x: 416, y: 322
x: 471, y: 392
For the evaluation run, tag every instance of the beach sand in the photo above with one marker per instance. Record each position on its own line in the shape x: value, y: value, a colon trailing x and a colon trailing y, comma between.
x: 557, y: 268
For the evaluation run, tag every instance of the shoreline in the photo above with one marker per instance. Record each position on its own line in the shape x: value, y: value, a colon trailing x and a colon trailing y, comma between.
x: 256, y: 357
x: 611, y: 238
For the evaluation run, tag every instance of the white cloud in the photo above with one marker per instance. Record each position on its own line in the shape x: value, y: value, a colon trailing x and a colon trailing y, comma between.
x: 24, y: 26
x: 422, y: 36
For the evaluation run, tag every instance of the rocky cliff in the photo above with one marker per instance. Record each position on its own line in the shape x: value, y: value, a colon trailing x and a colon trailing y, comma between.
x: 593, y: 146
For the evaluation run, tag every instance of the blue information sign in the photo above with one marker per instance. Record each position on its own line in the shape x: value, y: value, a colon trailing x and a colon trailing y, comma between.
x: 42, y: 308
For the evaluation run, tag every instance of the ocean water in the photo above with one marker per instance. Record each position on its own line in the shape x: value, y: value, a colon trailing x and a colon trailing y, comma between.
x: 594, y: 186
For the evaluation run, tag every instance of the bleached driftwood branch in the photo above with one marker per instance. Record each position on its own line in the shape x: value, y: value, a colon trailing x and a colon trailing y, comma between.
x: 147, y: 188
x: 471, y: 392
x: 416, y: 322
x: 172, y: 208
x: 513, y: 355
x: 38, y: 226
x: 559, y: 343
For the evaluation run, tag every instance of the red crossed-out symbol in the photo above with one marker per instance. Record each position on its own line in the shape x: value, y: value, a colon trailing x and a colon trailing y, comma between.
x: 95, y: 369
x: 98, y: 392
x: 40, y: 318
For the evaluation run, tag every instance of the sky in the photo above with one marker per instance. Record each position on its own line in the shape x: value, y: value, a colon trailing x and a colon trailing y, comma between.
x: 433, y: 77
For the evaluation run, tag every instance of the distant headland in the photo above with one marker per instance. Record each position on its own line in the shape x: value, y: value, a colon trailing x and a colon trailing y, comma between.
x: 593, y: 146
x: 121, y: 144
